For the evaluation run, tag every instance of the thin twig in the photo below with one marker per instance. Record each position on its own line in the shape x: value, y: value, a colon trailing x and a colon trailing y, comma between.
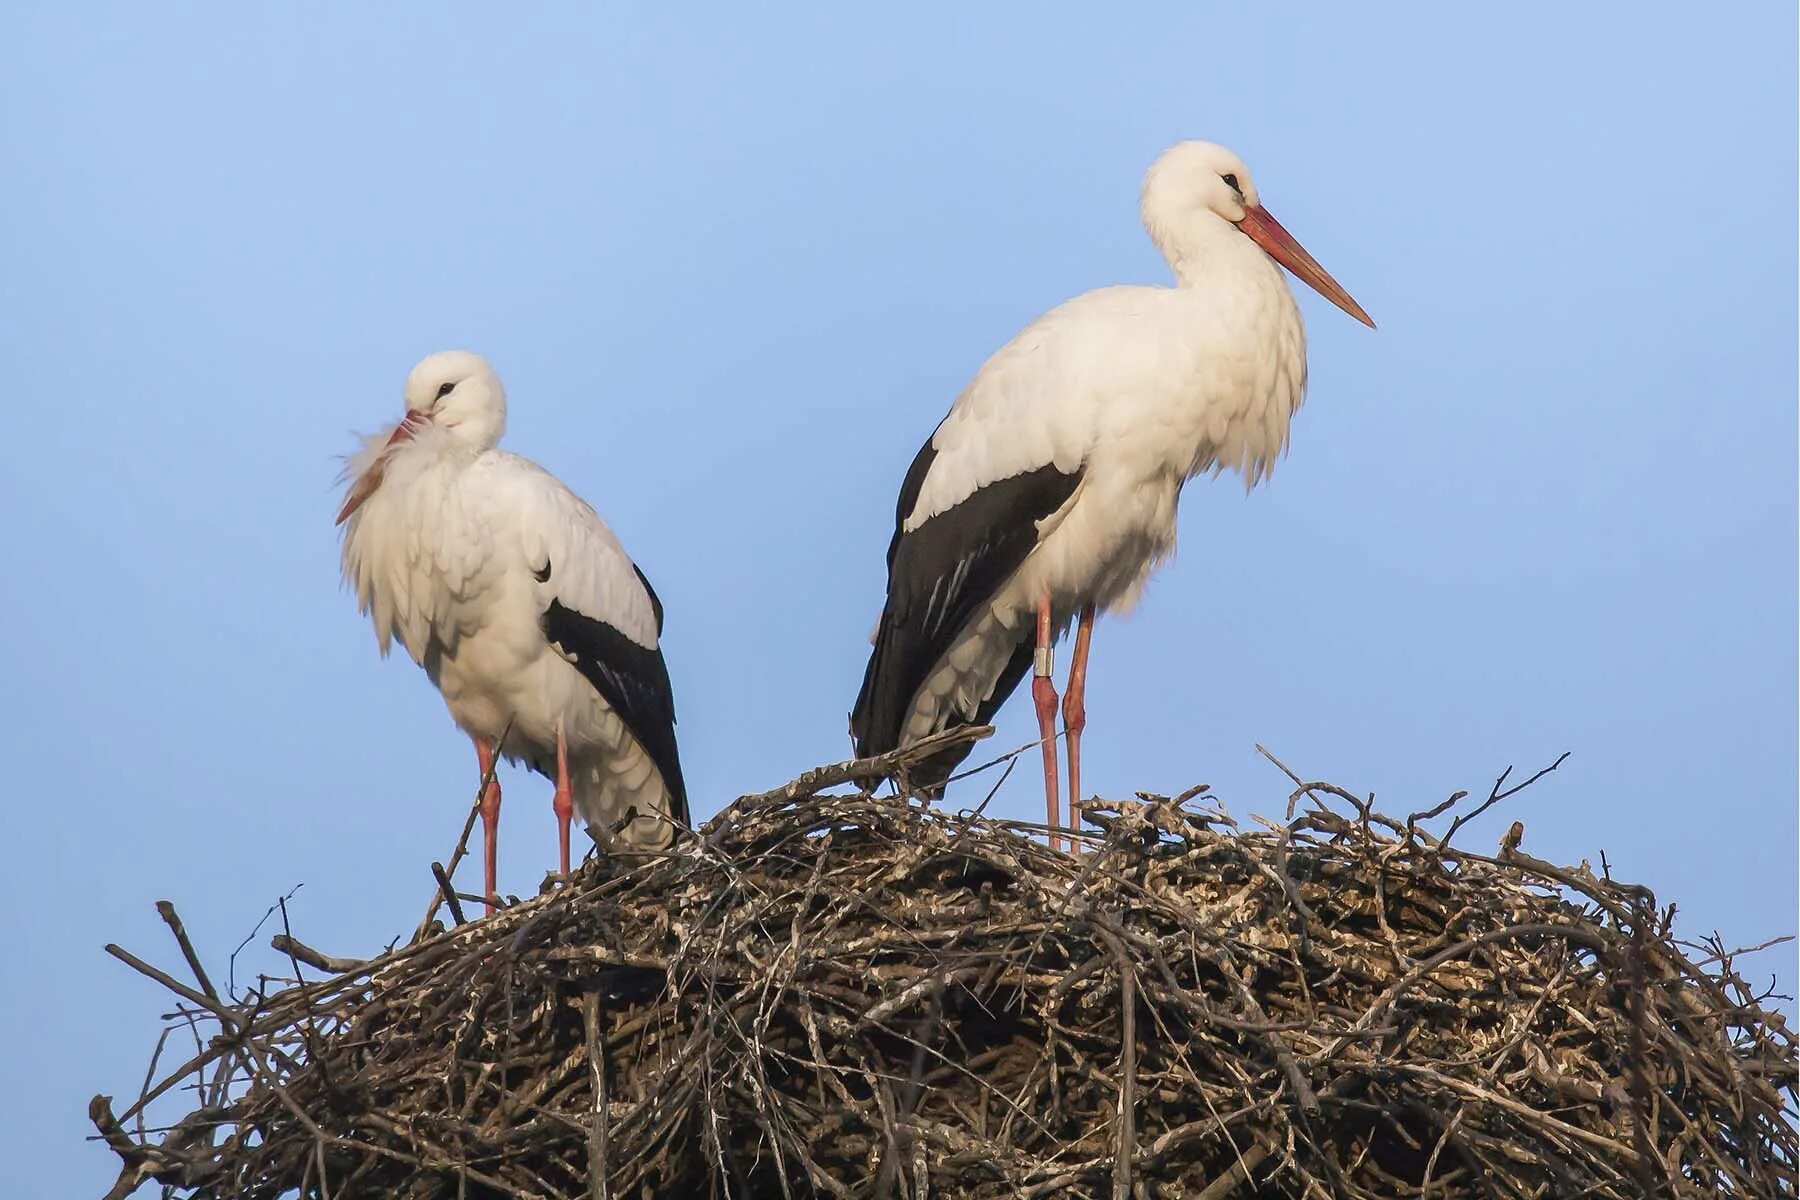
x: 231, y: 963
x: 1497, y: 795
x: 872, y: 769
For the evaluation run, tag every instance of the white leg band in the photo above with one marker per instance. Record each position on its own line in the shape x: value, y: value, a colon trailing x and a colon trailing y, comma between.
x: 1045, y: 659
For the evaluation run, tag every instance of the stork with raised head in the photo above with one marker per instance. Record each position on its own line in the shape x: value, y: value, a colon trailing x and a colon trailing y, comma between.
x: 524, y: 610
x: 1049, y: 492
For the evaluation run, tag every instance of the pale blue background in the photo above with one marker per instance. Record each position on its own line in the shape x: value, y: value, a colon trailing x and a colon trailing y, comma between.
x: 733, y: 266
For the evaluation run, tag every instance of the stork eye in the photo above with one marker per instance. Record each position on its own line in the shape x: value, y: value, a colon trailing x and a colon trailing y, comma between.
x: 445, y: 390
x: 1232, y: 183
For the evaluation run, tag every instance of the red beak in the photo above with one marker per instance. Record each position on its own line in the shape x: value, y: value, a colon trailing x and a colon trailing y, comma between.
x: 1280, y: 245
x: 371, y: 478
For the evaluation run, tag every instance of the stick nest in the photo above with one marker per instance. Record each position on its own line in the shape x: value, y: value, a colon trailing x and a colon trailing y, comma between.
x: 857, y: 995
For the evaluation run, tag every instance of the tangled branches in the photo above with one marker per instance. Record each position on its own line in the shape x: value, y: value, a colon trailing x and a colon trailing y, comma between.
x: 854, y: 995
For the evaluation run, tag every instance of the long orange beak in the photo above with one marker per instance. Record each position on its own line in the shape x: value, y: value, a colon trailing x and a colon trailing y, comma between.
x: 1280, y: 245
x: 371, y: 478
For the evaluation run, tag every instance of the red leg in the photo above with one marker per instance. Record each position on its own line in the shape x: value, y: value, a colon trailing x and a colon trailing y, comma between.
x: 490, y: 820
x: 1043, y: 691
x: 563, y: 801
x: 1075, y: 708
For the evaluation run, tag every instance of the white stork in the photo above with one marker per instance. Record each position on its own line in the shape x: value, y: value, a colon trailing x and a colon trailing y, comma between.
x: 1049, y: 491
x: 521, y: 606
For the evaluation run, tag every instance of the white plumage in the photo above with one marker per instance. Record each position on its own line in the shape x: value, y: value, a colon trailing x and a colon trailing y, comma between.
x: 1049, y: 491
x: 517, y: 600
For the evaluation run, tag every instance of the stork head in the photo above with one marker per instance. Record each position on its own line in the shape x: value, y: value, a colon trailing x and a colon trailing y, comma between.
x: 1197, y: 192
x: 454, y: 392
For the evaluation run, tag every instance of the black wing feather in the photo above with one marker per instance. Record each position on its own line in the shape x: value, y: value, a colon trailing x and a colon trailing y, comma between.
x: 938, y: 577
x: 910, y: 487
x: 655, y: 601
x: 633, y: 680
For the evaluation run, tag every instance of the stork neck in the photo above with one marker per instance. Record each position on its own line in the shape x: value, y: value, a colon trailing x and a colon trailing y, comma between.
x: 440, y: 447
x: 1213, y: 254
x: 478, y: 432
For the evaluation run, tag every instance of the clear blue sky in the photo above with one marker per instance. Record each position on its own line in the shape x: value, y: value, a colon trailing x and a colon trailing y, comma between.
x: 733, y: 267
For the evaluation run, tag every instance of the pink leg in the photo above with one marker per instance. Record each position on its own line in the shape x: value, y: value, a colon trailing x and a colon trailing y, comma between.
x: 490, y: 820
x: 1075, y: 708
x: 563, y: 801
x: 1043, y: 692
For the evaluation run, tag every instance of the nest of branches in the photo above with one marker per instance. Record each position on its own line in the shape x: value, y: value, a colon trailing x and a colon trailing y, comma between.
x: 859, y: 995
